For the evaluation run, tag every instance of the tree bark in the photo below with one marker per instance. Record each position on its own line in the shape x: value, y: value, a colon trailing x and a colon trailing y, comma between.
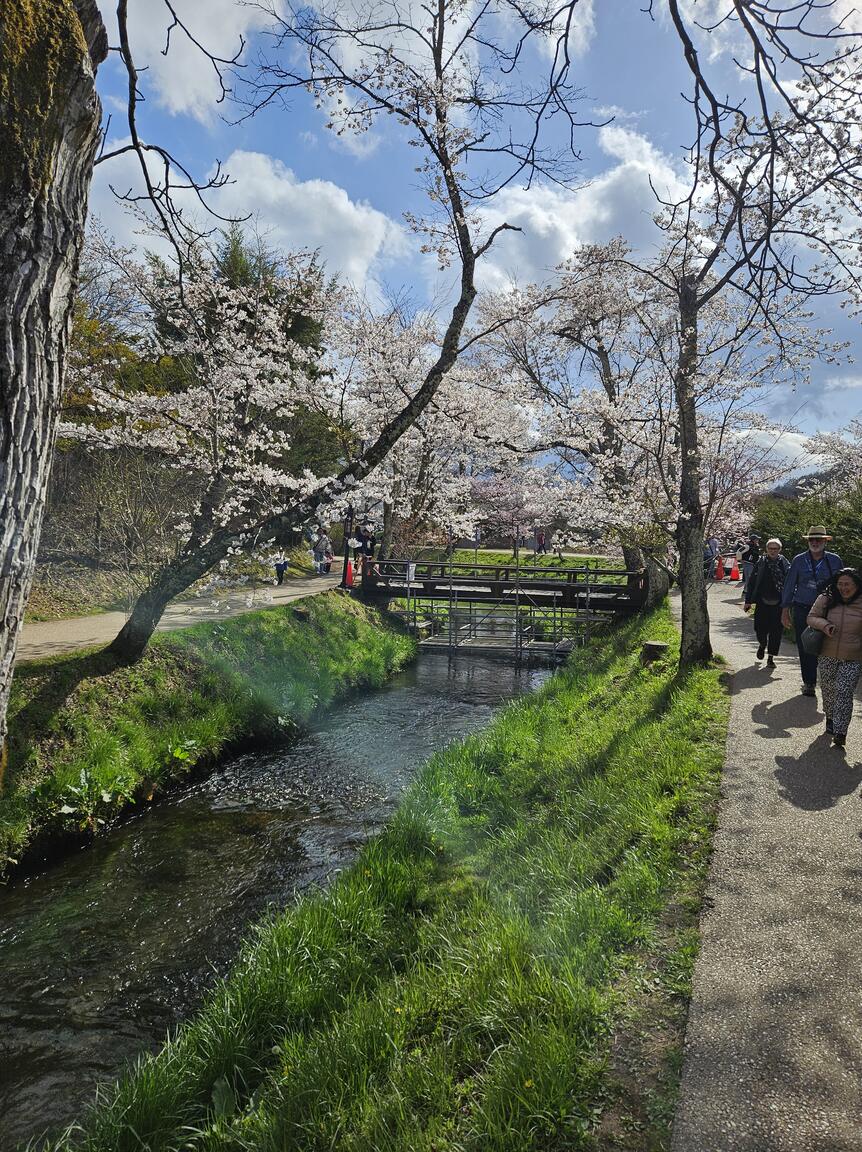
x: 49, y: 130
x: 658, y: 584
x: 388, y: 525
x: 695, y: 647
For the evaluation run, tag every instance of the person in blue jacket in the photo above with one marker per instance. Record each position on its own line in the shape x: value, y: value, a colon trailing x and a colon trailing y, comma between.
x: 808, y: 570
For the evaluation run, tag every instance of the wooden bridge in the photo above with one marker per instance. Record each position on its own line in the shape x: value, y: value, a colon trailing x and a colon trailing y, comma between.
x: 511, y: 607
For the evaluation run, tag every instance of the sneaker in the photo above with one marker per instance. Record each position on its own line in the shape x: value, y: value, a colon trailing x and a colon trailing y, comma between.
x: 808, y: 690
x: 829, y: 725
x: 760, y: 652
x: 838, y: 740
x: 770, y: 661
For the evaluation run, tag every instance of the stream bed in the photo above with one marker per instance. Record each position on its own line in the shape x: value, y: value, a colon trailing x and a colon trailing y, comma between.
x: 104, y: 953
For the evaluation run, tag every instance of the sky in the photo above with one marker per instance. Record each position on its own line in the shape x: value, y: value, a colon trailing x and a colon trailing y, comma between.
x: 308, y: 188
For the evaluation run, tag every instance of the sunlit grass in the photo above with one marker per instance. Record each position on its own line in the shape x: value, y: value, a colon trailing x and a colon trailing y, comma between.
x: 455, y: 988
x: 88, y: 737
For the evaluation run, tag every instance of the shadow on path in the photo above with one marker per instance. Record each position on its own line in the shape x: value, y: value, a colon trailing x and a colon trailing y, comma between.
x: 818, y: 778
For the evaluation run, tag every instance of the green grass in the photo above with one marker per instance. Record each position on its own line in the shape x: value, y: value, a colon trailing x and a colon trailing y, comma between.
x: 87, y: 737
x: 457, y: 988
x: 527, y: 559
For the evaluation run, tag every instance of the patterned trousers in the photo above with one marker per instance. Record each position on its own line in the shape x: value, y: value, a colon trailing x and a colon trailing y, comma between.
x: 838, y: 680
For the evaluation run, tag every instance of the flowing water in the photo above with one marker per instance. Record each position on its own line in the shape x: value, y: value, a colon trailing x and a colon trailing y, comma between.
x: 105, y: 952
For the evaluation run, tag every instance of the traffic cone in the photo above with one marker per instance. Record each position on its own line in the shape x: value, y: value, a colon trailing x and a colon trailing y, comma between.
x: 348, y: 575
x: 719, y: 568
x: 734, y: 572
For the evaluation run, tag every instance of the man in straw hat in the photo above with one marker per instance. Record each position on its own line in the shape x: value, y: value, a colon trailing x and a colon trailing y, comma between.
x: 808, y: 570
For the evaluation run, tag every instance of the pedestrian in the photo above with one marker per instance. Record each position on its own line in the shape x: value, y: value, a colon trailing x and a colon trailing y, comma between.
x: 322, y: 545
x: 280, y: 563
x: 711, y: 549
x: 540, y: 543
x: 749, y: 556
x: 369, y: 542
x: 808, y: 571
x: 764, y: 589
x: 837, y: 612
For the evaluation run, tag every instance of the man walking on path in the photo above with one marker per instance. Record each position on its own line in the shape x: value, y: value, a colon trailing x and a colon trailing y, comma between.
x: 773, y: 1049
x: 808, y: 570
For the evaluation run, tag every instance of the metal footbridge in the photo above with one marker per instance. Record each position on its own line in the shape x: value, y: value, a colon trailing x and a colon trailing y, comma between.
x: 515, y: 608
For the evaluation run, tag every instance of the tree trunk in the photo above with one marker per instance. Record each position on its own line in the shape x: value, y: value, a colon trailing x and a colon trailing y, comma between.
x: 658, y: 584
x: 49, y: 131
x: 171, y: 580
x: 695, y: 647
x: 388, y: 525
x: 633, y: 557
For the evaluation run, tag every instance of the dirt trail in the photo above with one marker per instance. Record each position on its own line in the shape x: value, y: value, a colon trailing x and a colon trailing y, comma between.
x: 54, y: 637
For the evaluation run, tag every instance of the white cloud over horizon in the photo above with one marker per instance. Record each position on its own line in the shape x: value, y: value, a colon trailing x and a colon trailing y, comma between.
x: 618, y: 201
x: 184, y: 81
x: 355, y: 240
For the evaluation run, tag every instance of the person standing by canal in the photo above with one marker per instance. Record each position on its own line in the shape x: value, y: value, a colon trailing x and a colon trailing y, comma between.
x: 837, y: 613
x: 808, y: 569
x: 764, y: 589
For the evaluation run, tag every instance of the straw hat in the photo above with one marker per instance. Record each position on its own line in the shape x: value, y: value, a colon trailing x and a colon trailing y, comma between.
x: 817, y: 530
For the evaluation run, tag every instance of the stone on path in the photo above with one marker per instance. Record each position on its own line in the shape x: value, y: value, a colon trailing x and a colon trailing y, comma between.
x: 773, y: 1052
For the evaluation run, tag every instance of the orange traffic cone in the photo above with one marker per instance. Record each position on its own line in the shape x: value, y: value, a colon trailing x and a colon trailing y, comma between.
x: 348, y: 575
x: 734, y: 572
x: 719, y: 568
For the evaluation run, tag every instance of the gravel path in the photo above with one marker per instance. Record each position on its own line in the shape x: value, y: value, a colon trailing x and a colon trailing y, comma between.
x: 53, y: 637
x: 773, y: 1054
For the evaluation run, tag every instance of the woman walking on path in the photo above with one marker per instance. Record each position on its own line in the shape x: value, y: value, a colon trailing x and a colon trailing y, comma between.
x: 837, y: 613
x: 807, y: 571
x: 764, y: 589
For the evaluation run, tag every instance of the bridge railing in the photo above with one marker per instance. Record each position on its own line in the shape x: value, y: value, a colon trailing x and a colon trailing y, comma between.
x: 399, y: 577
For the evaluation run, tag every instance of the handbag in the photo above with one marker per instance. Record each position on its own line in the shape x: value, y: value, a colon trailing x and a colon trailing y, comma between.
x: 812, y: 640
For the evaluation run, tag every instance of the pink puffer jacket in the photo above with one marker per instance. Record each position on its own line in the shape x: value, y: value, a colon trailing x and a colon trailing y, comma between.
x: 846, y: 643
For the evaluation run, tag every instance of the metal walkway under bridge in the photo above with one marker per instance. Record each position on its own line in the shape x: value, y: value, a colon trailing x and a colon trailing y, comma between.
x: 513, y: 608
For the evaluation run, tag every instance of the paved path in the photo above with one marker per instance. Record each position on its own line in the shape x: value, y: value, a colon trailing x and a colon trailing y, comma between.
x: 53, y: 637
x: 773, y: 1057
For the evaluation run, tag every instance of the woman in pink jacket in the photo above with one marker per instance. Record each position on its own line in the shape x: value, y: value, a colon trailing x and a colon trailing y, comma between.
x: 837, y: 612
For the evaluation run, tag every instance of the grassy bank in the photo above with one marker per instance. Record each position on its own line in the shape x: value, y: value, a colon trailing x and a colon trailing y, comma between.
x: 86, y: 737
x: 490, y: 967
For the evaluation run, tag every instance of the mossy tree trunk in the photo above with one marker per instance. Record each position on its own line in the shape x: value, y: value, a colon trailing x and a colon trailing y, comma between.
x: 49, y: 131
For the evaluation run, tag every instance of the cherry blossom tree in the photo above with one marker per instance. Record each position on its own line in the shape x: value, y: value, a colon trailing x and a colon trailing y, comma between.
x: 238, y: 380
x: 599, y: 347
x: 424, y: 484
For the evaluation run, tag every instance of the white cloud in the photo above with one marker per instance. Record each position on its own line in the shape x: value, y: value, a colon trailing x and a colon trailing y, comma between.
x: 792, y: 446
x: 184, y: 81
x: 581, y: 30
x: 355, y: 239
x: 619, y: 201
x: 842, y: 383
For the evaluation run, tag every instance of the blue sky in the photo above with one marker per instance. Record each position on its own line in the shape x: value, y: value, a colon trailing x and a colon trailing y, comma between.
x: 311, y: 190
